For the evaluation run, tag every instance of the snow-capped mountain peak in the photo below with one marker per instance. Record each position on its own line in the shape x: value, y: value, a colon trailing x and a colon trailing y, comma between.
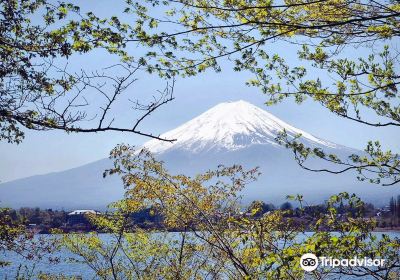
x: 231, y: 126
x: 229, y: 133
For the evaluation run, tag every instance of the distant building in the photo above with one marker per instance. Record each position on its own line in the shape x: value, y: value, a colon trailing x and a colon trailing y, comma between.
x: 80, y: 216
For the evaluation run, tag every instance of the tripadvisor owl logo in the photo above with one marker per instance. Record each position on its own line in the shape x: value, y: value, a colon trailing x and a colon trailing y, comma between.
x: 309, y: 262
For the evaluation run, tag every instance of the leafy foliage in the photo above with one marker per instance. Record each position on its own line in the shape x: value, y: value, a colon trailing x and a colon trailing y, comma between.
x: 216, y: 238
x: 15, y: 238
x: 37, y: 89
x: 376, y: 166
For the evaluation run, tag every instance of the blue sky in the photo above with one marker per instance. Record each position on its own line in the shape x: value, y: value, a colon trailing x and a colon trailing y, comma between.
x: 44, y: 152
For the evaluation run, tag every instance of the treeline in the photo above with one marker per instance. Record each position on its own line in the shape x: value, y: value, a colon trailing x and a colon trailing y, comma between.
x: 308, y: 212
x: 43, y: 220
x: 46, y: 219
x: 386, y: 217
x: 394, y: 206
x: 36, y: 216
x: 391, y: 217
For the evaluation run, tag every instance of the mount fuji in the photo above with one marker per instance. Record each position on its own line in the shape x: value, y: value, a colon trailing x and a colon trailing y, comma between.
x: 230, y: 126
x: 229, y: 133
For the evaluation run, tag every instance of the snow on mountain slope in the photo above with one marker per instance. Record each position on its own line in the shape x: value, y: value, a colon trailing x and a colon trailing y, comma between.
x: 230, y: 126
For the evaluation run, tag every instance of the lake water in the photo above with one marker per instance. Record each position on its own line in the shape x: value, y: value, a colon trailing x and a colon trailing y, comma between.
x: 73, y: 269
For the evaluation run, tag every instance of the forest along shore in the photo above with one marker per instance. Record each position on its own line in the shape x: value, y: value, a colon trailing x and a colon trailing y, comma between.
x: 44, y: 221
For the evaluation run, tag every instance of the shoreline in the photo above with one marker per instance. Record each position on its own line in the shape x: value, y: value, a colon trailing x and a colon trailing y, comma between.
x: 377, y: 230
